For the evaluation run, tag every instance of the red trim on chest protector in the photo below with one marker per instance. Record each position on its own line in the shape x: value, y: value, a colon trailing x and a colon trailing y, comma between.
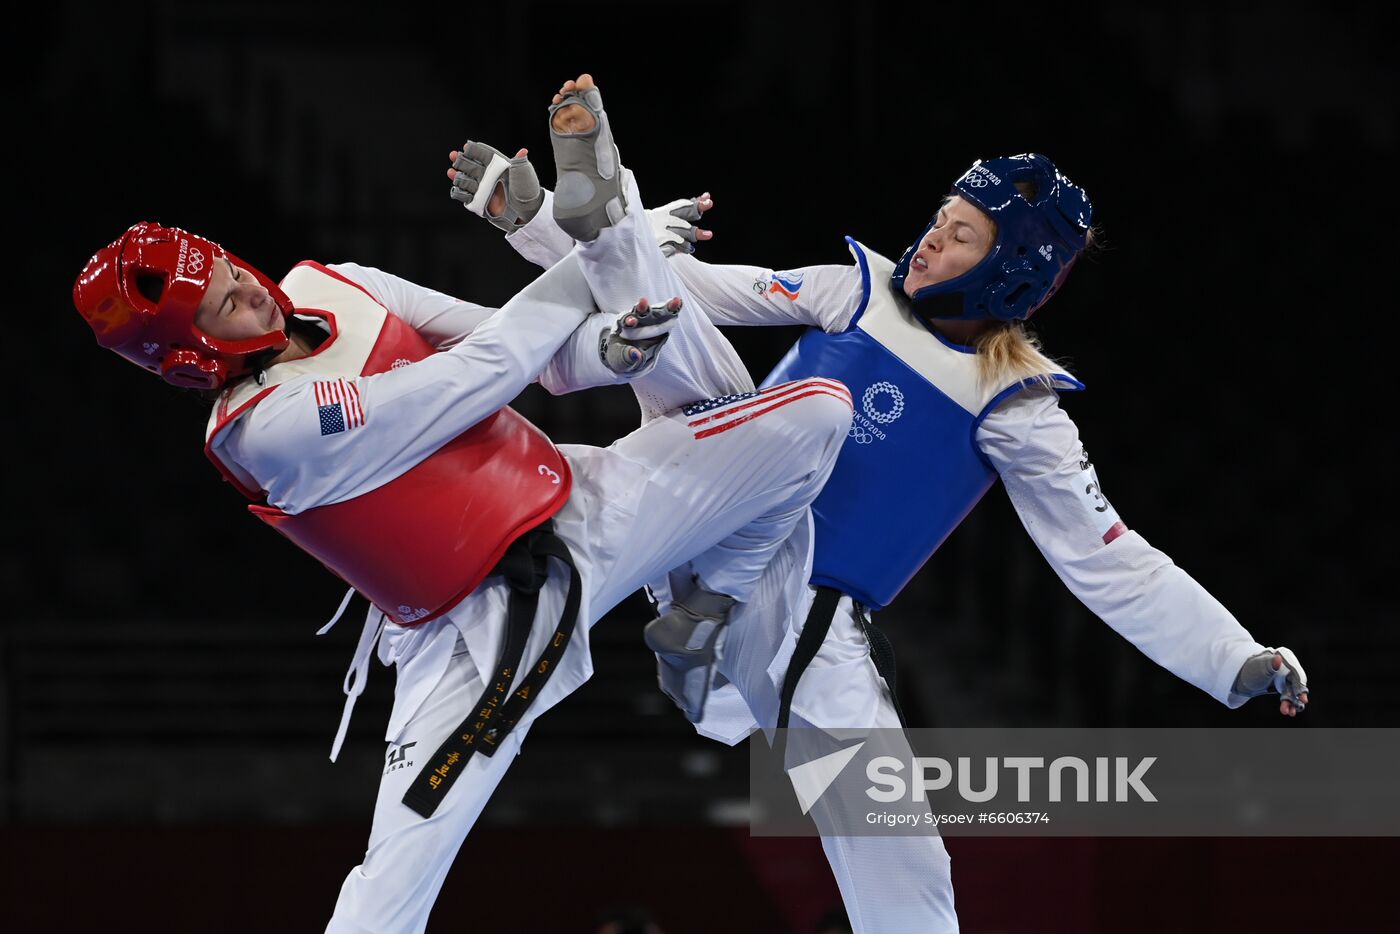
x: 418, y: 544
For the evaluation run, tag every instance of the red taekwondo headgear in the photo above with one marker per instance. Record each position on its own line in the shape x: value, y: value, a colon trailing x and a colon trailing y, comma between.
x: 159, y: 334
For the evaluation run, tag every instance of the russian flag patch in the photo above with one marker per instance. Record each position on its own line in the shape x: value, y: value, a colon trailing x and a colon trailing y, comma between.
x: 786, y: 283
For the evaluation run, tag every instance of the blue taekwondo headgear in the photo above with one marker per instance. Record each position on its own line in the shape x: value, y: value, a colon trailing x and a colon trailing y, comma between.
x: 1037, y: 242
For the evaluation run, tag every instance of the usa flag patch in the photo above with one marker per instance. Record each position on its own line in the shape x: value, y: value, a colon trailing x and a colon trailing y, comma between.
x: 707, y: 405
x: 717, y: 416
x: 338, y: 406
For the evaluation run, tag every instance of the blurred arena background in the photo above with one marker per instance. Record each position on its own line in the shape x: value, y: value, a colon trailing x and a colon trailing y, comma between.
x: 165, y: 711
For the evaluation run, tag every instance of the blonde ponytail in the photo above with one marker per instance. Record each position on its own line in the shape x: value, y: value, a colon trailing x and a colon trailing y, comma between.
x: 1009, y: 353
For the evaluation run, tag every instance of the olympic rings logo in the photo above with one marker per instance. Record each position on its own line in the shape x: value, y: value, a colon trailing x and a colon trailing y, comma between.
x: 867, y: 402
x: 860, y: 435
x: 979, y: 176
x: 196, y: 262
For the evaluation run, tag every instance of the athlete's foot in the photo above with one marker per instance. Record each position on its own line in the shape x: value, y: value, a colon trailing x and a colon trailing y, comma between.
x: 573, y: 118
x: 685, y: 640
x: 591, y: 191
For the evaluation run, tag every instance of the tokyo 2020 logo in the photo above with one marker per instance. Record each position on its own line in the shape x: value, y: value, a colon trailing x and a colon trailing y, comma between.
x: 880, y: 404
x: 868, y: 400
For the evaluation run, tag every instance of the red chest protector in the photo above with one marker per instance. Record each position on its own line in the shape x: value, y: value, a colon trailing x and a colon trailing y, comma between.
x: 421, y: 542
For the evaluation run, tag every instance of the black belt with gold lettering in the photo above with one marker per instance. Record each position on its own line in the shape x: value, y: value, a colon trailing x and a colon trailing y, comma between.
x: 526, y: 568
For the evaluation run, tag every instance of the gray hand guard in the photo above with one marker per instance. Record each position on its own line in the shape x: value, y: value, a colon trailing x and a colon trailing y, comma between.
x: 635, y: 338
x: 674, y: 225
x: 479, y: 168
x: 1257, y: 676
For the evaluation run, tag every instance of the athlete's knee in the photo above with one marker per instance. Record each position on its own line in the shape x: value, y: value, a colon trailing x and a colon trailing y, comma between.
x: 827, y: 407
x: 839, y: 411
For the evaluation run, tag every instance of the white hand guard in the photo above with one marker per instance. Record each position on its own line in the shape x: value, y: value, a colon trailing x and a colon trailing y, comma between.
x: 674, y: 225
x: 479, y: 168
x: 1257, y: 676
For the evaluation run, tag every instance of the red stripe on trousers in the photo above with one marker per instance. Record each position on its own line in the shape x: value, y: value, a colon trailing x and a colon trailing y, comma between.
x: 821, y: 391
x: 784, y: 389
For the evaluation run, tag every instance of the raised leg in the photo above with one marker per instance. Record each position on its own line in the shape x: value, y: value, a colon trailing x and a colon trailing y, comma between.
x: 621, y: 261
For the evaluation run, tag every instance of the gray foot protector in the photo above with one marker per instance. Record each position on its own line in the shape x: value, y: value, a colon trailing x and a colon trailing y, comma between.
x: 685, y: 639
x: 589, y: 194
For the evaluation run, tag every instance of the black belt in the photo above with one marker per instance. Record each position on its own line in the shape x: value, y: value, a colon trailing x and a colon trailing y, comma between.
x: 526, y: 568
x: 810, y: 640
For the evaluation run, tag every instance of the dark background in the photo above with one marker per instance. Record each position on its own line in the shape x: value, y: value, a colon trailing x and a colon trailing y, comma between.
x: 165, y: 708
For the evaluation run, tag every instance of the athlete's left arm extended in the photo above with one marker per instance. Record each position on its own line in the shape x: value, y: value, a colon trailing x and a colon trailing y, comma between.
x: 440, y: 319
x: 445, y: 322
x: 386, y: 423
x: 1130, y: 585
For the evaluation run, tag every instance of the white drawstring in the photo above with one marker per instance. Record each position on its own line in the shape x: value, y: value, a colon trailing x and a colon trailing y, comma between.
x: 344, y: 602
x: 358, y: 674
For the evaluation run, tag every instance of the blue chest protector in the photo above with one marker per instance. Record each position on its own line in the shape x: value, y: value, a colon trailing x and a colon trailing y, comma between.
x: 910, y: 469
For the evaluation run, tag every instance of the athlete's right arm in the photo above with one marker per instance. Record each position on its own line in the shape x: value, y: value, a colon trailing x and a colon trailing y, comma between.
x: 815, y: 296
x: 1133, y: 587
x: 313, y: 442
x: 674, y: 224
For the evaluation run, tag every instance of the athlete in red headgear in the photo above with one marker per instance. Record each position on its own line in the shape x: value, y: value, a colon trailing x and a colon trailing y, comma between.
x: 366, y: 419
x: 143, y: 297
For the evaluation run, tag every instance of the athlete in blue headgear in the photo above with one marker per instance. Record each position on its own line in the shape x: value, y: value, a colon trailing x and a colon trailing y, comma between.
x: 950, y: 389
